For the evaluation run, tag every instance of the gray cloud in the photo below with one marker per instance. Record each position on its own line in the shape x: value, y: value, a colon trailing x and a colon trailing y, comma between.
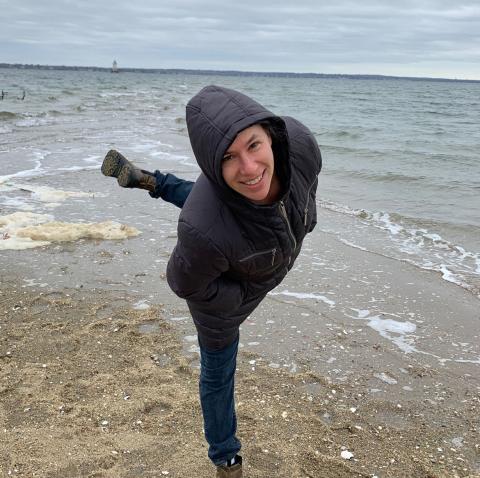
x: 420, y: 38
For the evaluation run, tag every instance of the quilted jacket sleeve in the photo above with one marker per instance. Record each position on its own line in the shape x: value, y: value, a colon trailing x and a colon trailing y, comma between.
x: 196, y: 272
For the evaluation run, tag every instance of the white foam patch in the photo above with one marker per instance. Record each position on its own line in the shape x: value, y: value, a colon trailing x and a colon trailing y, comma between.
x: 67, y: 231
x: 305, y: 295
x: 403, y: 338
x: 362, y: 313
x: 395, y: 331
x: 26, y: 230
x: 12, y: 223
x: 399, y: 333
x: 355, y: 246
x: 51, y: 195
x: 449, y: 276
x: 385, y: 378
x: 141, y: 305
x: 178, y: 319
x: 21, y: 219
x: 34, y: 283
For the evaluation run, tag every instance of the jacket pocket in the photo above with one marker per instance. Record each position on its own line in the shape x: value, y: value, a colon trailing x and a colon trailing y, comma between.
x: 259, y: 263
x: 262, y: 254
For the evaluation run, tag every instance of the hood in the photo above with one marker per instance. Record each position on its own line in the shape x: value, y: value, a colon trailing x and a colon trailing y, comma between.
x: 214, y: 118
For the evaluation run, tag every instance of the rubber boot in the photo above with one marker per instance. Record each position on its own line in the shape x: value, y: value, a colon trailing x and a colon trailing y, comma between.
x: 113, y: 163
x: 234, y: 471
x: 128, y: 175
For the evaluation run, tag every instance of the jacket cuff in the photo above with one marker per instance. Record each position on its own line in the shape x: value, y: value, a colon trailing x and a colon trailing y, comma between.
x: 160, y: 180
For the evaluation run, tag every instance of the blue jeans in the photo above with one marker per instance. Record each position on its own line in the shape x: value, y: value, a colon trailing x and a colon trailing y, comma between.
x: 217, y: 384
x: 171, y: 189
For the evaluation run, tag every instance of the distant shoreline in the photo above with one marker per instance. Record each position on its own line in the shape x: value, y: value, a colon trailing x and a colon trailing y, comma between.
x: 231, y: 73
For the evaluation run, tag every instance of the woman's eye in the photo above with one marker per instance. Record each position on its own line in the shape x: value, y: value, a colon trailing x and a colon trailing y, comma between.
x: 227, y: 157
x: 254, y: 145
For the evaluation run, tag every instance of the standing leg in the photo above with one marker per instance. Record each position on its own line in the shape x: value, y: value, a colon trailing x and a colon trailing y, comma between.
x: 217, y: 383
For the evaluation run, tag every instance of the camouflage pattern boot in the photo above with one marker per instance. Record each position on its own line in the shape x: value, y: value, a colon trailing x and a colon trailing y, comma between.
x: 128, y: 175
x: 234, y: 471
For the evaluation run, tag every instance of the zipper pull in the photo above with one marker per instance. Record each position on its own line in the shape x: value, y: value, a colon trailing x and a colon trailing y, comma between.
x: 305, y: 217
x: 274, y: 251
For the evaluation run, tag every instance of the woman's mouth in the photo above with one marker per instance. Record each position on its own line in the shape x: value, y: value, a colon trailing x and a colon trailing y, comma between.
x: 253, y: 181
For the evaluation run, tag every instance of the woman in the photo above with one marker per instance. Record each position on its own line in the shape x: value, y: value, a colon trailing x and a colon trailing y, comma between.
x: 239, y: 232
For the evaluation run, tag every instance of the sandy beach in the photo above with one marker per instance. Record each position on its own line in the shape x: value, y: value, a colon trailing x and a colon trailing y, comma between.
x: 92, y: 384
x: 357, y: 365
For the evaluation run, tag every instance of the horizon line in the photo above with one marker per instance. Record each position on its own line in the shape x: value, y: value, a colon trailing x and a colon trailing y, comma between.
x: 234, y: 72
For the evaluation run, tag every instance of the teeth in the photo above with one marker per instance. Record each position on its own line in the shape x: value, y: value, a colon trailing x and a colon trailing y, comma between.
x: 254, y: 181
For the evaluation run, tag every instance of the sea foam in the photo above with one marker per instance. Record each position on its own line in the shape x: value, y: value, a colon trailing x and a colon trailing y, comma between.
x: 26, y: 230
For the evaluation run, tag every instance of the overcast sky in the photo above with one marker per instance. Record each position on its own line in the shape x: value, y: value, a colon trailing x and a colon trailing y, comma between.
x: 437, y: 38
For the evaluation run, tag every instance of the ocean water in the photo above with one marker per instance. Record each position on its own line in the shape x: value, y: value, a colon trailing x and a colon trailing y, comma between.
x: 401, y: 174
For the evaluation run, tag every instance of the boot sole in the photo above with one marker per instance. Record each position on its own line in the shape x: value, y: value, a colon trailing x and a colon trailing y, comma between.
x: 113, y: 164
x: 124, y: 177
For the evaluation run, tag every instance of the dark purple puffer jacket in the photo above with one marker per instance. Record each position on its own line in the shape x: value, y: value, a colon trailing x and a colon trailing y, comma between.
x: 231, y: 252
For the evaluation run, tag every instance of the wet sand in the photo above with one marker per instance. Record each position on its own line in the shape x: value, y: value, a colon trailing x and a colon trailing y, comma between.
x: 92, y: 387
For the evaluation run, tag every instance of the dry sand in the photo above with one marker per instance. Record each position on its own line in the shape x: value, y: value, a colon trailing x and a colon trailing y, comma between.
x: 90, y: 387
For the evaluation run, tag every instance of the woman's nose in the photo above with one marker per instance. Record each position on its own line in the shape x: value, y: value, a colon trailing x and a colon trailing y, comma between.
x: 248, y: 164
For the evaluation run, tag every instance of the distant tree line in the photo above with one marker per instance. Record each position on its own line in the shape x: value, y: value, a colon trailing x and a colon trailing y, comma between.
x: 228, y: 73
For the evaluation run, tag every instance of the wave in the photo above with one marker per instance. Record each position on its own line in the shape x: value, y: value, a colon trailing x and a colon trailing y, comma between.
x: 26, y: 120
x: 411, y: 241
x: 30, y: 119
x: 27, y: 173
x: 29, y: 122
x: 7, y: 115
x: 346, y: 134
x: 379, y: 177
x: 445, y: 113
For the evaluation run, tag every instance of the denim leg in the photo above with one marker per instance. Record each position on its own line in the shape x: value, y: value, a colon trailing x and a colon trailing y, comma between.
x: 217, y: 383
x: 171, y: 189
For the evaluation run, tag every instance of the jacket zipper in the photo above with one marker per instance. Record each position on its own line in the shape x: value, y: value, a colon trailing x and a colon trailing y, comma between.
x: 306, y: 205
x: 283, y: 212
x: 261, y: 253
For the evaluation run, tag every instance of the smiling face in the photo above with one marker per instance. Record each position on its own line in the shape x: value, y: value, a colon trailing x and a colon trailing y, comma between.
x: 248, y: 166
